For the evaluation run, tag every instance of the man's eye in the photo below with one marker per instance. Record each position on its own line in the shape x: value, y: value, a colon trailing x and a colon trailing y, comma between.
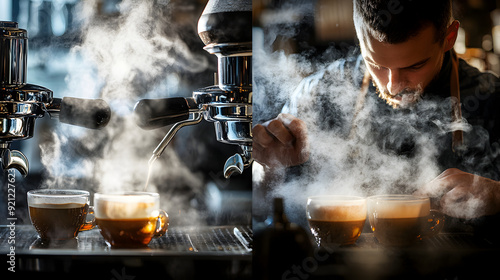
x: 416, y: 67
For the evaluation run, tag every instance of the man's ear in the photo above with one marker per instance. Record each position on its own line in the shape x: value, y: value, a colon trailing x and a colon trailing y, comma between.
x: 451, y: 35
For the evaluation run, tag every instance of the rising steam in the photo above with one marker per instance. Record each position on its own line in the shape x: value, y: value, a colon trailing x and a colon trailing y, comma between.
x: 138, y: 54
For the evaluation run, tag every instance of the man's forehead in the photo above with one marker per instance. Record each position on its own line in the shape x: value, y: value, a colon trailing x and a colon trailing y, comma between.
x: 401, y: 55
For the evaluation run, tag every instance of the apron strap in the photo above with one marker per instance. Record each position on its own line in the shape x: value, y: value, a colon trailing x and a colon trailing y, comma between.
x: 360, y: 102
x: 457, y: 143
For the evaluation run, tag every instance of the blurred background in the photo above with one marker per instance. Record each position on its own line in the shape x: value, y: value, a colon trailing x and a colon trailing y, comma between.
x: 72, y: 52
x: 322, y: 24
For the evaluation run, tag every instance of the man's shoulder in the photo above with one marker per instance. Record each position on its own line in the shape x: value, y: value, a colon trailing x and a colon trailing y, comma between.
x: 480, y: 98
x: 475, y: 83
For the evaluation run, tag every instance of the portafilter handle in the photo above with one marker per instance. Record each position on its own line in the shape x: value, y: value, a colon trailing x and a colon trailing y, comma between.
x: 88, y: 113
x: 156, y: 113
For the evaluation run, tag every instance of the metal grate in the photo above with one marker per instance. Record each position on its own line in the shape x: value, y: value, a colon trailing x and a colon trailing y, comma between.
x: 227, y: 240
x: 218, y: 239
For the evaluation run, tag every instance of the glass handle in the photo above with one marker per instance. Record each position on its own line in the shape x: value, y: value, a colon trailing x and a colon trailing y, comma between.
x: 162, y: 223
x: 88, y: 225
x: 434, y: 224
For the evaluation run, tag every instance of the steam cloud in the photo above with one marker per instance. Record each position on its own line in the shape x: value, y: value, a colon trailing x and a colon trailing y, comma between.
x: 342, y: 162
x: 137, y: 54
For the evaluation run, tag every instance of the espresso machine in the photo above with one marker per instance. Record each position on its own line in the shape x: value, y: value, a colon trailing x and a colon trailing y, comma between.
x: 22, y: 103
x: 225, y: 27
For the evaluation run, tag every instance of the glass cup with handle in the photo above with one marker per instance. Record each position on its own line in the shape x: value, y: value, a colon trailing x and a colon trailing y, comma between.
x: 59, y: 214
x: 399, y: 220
x: 130, y: 219
x: 336, y: 220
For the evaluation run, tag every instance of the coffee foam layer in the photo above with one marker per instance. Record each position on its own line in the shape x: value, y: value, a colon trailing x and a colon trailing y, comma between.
x: 337, y: 213
x: 57, y: 206
x: 54, y: 200
x: 125, y: 210
x: 399, y: 210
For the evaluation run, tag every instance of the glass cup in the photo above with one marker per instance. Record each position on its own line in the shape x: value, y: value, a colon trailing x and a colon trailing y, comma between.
x: 59, y: 214
x: 402, y: 220
x: 336, y: 220
x: 129, y: 219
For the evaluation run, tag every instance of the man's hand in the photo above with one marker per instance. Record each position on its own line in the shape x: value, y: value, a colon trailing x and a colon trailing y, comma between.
x: 281, y: 142
x: 464, y: 195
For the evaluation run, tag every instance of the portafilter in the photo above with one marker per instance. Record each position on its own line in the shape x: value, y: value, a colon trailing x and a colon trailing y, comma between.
x: 226, y: 29
x: 21, y: 103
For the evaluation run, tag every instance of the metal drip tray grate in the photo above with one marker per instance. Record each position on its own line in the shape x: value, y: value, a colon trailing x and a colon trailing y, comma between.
x: 221, y: 240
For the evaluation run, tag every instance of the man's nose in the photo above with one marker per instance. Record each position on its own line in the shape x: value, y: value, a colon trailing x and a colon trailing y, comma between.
x: 395, y: 85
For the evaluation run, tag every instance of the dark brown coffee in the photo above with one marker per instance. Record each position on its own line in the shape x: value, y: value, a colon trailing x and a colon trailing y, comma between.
x: 399, y: 231
x: 336, y: 232
x: 58, y: 221
x: 128, y: 232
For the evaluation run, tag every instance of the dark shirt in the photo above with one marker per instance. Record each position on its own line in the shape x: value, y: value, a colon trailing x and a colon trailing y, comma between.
x: 424, y: 130
x: 432, y: 117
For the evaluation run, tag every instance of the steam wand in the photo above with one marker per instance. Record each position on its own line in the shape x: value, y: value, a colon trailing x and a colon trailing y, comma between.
x: 197, y: 117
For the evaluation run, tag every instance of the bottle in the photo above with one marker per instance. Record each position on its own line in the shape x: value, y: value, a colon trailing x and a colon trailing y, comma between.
x: 281, y: 248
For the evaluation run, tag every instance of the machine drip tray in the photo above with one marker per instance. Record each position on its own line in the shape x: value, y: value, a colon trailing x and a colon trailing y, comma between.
x: 186, y: 252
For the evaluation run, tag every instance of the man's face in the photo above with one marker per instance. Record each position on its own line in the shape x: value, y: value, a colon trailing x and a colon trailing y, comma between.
x: 402, y: 71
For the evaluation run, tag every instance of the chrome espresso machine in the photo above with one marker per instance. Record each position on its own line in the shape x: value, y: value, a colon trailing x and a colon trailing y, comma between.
x: 22, y: 103
x: 226, y: 29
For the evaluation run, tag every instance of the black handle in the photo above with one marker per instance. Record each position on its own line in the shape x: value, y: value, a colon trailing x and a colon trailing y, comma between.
x: 155, y: 113
x: 89, y: 113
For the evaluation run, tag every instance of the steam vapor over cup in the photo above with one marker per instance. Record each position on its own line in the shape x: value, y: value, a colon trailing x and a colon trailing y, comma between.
x: 336, y: 220
x: 402, y: 220
x: 58, y: 214
x: 130, y: 219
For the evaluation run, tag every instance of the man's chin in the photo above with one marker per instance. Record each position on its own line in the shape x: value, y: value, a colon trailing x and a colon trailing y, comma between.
x: 402, y: 101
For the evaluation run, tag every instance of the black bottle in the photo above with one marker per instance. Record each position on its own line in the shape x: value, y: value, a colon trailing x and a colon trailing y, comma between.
x: 281, y: 248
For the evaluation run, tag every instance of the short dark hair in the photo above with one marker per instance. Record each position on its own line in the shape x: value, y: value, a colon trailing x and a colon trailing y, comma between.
x: 395, y: 21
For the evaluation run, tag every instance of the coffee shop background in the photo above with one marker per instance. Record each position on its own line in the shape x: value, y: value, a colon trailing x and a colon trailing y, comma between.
x: 122, y: 51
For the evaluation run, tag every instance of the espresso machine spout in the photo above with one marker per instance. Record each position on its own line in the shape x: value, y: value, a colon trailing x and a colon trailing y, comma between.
x: 13, y: 159
x: 238, y: 162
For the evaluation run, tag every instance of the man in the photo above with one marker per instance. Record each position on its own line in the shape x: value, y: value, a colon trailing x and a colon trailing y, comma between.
x: 407, y: 50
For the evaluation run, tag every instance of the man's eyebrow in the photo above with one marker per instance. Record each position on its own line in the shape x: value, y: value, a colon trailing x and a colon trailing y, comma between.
x: 417, y: 63
x: 366, y: 58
